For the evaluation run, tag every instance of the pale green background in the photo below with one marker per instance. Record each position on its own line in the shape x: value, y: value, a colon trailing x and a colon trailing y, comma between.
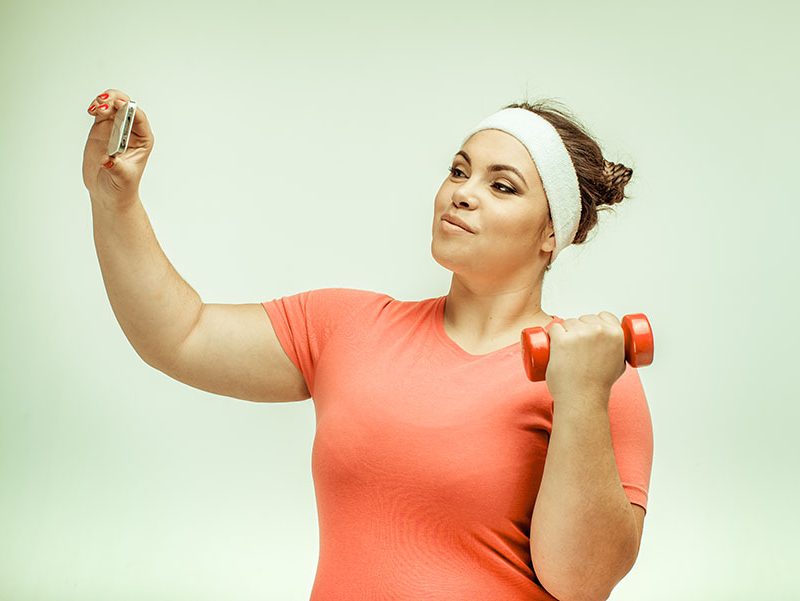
x: 300, y: 146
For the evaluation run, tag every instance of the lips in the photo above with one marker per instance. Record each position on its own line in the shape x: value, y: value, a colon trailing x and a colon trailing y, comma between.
x: 456, y: 221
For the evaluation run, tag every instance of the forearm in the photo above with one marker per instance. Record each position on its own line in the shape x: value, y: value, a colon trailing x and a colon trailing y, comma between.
x: 583, y: 530
x: 153, y: 304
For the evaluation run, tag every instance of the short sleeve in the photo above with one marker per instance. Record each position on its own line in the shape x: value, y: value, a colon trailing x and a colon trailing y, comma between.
x: 631, y: 435
x: 304, y: 322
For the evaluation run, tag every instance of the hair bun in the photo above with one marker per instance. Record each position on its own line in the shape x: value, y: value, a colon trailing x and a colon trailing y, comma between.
x: 616, y: 175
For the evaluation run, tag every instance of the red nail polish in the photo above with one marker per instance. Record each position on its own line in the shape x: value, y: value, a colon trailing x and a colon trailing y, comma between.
x: 103, y: 105
x: 91, y: 108
x: 103, y: 96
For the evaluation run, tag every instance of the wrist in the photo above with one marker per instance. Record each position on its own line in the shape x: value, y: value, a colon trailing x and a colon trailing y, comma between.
x: 581, y: 401
x: 115, y: 205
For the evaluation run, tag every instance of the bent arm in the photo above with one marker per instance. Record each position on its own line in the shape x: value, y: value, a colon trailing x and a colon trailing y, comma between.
x: 584, y: 532
x: 153, y: 304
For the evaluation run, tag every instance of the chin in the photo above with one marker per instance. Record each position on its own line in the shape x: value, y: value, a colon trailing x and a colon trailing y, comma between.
x: 445, y: 260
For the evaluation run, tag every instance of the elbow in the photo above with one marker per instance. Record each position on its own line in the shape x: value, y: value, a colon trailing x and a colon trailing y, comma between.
x: 586, y: 588
x: 582, y: 595
x: 594, y: 596
x: 152, y: 362
x: 565, y: 589
x: 163, y: 362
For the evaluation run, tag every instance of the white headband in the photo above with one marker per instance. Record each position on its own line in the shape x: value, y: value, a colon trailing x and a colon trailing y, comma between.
x: 551, y: 159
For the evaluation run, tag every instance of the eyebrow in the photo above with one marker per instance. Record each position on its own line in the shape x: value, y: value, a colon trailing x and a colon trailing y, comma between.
x: 496, y: 167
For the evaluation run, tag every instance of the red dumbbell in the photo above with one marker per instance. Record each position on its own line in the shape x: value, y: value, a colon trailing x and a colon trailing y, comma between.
x: 638, y: 346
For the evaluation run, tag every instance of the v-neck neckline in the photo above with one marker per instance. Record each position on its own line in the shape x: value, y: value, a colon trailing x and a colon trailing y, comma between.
x: 445, y: 337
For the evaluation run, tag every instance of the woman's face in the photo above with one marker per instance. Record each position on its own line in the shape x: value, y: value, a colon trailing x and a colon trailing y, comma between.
x: 507, y: 211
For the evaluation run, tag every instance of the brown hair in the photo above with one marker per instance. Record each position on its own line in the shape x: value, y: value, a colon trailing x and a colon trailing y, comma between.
x: 601, y: 182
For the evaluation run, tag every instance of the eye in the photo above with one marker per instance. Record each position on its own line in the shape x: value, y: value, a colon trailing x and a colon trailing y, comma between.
x: 510, y: 190
x: 507, y: 190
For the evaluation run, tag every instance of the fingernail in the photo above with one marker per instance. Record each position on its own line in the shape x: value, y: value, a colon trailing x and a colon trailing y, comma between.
x: 108, y: 164
x: 103, y: 106
x: 91, y: 108
x: 103, y: 96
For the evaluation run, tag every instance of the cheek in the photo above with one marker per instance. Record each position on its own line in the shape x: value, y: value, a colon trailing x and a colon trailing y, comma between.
x: 514, y: 231
x: 507, y: 223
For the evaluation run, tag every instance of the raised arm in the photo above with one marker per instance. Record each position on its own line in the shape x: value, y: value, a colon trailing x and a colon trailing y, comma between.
x: 226, y: 349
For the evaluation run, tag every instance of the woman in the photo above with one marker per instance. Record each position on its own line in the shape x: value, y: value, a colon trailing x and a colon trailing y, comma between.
x: 440, y: 470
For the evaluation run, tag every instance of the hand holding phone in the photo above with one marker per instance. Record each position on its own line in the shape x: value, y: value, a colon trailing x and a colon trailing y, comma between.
x: 116, y: 150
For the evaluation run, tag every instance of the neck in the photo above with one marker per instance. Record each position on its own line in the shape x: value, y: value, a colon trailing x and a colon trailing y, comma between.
x: 489, y: 315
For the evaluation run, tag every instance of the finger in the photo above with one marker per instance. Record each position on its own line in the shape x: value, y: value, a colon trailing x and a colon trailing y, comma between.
x: 102, y: 105
x: 609, y: 317
x: 569, y: 324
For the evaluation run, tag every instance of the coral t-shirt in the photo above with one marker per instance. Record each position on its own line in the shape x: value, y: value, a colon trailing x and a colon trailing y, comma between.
x: 427, y: 460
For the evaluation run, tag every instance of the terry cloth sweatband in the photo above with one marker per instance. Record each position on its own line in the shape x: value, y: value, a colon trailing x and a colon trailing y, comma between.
x: 553, y: 163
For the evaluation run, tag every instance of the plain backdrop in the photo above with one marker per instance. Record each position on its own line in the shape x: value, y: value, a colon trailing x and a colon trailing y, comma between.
x: 300, y: 145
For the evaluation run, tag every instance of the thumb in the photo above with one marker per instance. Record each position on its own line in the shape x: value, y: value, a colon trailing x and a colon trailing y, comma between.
x: 108, y: 162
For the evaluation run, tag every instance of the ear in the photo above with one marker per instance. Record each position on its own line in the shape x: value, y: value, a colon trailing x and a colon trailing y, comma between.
x: 550, y: 242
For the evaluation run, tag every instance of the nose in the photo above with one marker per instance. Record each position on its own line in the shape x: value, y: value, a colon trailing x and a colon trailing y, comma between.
x: 462, y: 196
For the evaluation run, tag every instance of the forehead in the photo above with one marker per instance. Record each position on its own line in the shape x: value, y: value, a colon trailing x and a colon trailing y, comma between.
x: 491, y: 146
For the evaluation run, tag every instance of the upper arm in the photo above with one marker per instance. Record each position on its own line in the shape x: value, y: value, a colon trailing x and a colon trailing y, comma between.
x: 638, y: 515
x: 631, y: 435
x: 233, y: 351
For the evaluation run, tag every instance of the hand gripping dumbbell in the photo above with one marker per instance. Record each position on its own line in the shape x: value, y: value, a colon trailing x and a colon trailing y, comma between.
x: 638, y: 346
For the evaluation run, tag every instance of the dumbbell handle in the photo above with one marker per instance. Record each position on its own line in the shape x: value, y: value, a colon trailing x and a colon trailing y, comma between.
x: 638, y: 346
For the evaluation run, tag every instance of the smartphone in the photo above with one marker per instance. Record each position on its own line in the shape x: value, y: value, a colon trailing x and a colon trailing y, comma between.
x: 123, y: 123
